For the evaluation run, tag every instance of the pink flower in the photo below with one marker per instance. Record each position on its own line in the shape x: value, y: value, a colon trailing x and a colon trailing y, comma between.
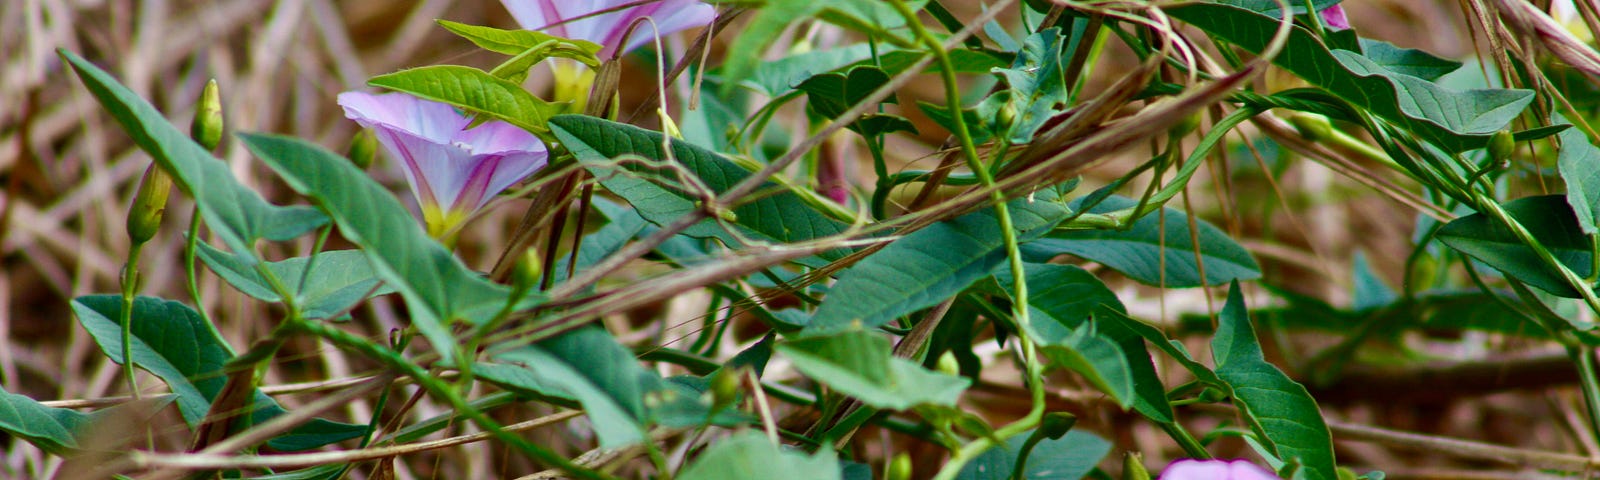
x: 453, y: 170
x: 1334, y: 17
x: 1190, y: 469
x: 606, y: 29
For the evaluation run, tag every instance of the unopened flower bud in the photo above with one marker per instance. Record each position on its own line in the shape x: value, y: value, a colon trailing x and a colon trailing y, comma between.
x: 725, y: 386
x: 899, y: 468
x: 1004, y: 118
x: 1501, y: 146
x: 1056, y: 424
x: 144, y: 217
x: 1133, y: 467
x: 1184, y: 127
x: 948, y: 364
x: 207, y: 126
x: 528, y: 270
x: 363, y: 149
x: 1311, y: 126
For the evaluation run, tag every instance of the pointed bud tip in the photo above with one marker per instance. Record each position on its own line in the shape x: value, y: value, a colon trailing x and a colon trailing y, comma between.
x: 144, y: 216
x: 207, y: 126
x: 1133, y: 467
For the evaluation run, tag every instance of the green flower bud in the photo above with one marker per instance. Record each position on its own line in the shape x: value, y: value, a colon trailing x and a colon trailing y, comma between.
x: 1501, y: 146
x: 207, y: 126
x: 948, y: 364
x: 1004, y: 118
x: 1184, y: 127
x: 725, y: 386
x: 899, y: 468
x: 1133, y: 467
x: 144, y: 217
x: 363, y: 149
x: 1311, y: 126
x: 528, y: 271
x: 1056, y: 424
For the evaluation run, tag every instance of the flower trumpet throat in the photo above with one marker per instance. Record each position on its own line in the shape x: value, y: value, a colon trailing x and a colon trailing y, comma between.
x: 572, y: 83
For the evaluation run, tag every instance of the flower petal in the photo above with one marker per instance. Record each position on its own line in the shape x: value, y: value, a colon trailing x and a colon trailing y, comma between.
x: 670, y: 16
x: 1190, y: 469
x: 495, y: 172
x: 498, y: 137
x: 432, y: 168
x: 427, y: 119
x: 1244, y: 470
x: 551, y: 16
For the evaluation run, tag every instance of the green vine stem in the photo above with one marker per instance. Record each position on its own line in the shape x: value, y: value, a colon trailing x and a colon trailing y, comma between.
x: 130, y: 287
x: 969, y: 148
x: 446, y: 392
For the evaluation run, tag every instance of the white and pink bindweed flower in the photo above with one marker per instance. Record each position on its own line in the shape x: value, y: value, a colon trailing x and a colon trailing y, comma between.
x: 453, y: 170
x: 576, y: 19
x: 1190, y: 469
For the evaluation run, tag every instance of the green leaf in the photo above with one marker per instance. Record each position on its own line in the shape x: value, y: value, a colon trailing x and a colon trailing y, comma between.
x: 475, y: 91
x: 53, y: 430
x: 1370, y: 291
x: 829, y: 95
x: 1037, y: 89
x: 751, y: 455
x: 1277, y: 408
x: 589, y: 367
x: 780, y: 77
x: 871, y: 17
x: 320, y: 472
x: 1407, y: 61
x: 58, y: 430
x: 746, y: 51
x: 1173, y: 348
x: 1139, y: 250
x: 513, y: 42
x: 1095, y: 356
x: 1274, y: 9
x: 1070, y: 457
x: 624, y: 226
x: 1536, y: 133
x: 774, y: 16
x: 235, y: 213
x: 970, y: 117
x: 337, y: 281
x: 1579, y: 164
x: 1551, y: 221
x: 930, y: 265
x: 1062, y: 301
x: 964, y: 61
x: 1455, y: 121
x: 171, y: 341
x: 860, y: 364
x: 437, y: 288
x: 782, y: 217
